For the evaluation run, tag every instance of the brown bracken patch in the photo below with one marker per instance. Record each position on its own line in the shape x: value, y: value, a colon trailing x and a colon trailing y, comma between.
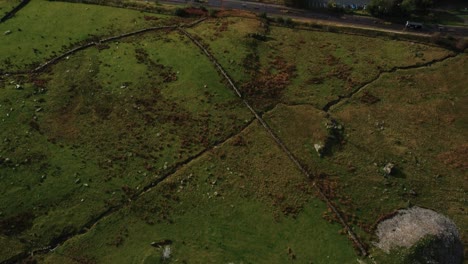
x: 456, y: 158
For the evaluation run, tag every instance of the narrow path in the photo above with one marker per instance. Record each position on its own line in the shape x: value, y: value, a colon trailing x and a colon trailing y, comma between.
x: 278, y: 141
x: 14, y: 11
x: 340, y: 98
x: 111, y: 210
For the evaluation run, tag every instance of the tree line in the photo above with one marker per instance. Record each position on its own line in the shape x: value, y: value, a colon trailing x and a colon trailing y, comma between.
x: 381, y: 8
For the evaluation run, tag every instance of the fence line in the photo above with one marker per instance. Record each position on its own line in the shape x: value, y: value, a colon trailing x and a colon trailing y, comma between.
x: 11, y: 13
x: 94, y: 43
x: 279, y: 142
x: 113, y: 38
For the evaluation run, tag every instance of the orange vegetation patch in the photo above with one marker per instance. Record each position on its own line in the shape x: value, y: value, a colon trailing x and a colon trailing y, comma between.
x: 266, y: 85
x: 231, y: 13
x: 196, y: 11
x: 457, y: 158
x: 148, y: 18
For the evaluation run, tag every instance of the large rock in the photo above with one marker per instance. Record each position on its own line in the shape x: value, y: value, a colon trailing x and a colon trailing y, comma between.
x: 429, y: 236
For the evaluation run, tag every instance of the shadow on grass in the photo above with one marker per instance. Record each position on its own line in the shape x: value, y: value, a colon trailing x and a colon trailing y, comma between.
x: 444, y: 17
x: 397, y: 173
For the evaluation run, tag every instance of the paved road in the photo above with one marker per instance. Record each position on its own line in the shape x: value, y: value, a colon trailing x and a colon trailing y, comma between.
x: 279, y: 10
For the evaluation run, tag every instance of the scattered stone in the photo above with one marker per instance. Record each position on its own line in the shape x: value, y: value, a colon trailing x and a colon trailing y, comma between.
x: 85, y: 185
x: 166, y: 252
x: 333, y: 125
x: 433, y: 237
x: 77, y: 181
x: 319, y: 148
x: 8, y: 32
x: 389, y: 169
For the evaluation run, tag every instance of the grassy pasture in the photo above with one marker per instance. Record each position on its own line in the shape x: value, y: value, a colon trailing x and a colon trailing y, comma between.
x: 228, y: 40
x: 329, y: 64
x: 241, y: 202
x: 7, y: 5
x: 96, y: 128
x: 419, y: 125
x: 76, y: 142
x: 415, y: 120
x: 43, y: 29
x: 296, y: 66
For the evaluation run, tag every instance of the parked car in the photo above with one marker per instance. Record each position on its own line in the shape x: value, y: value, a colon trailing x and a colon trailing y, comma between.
x: 413, y: 25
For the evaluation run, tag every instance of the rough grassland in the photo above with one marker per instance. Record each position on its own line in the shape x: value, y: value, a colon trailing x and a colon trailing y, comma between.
x: 76, y: 143
x: 228, y: 39
x: 413, y: 118
x: 7, y: 5
x: 43, y: 29
x: 237, y: 203
x: 91, y: 132
x: 297, y: 66
x: 419, y: 124
x: 329, y: 64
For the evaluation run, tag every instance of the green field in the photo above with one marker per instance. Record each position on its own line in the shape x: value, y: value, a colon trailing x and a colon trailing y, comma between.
x: 44, y: 29
x: 237, y: 203
x: 141, y: 140
x: 7, y: 5
x: 79, y: 150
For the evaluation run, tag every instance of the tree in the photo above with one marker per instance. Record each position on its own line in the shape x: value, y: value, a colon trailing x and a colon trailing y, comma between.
x: 410, y: 6
x: 384, y: 7
x: 398, y: 7
x: 333, y: 7
x: 296, y: 3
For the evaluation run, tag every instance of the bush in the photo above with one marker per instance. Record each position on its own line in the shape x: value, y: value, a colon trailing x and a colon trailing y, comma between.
x: 263, y: 15
x: 288, y: 22
x: 462, y: 44
x: 280, y: 20
x: 180, y: 12
x: 212, y: 12
x: 394, y: 8
x: 258, y: 36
